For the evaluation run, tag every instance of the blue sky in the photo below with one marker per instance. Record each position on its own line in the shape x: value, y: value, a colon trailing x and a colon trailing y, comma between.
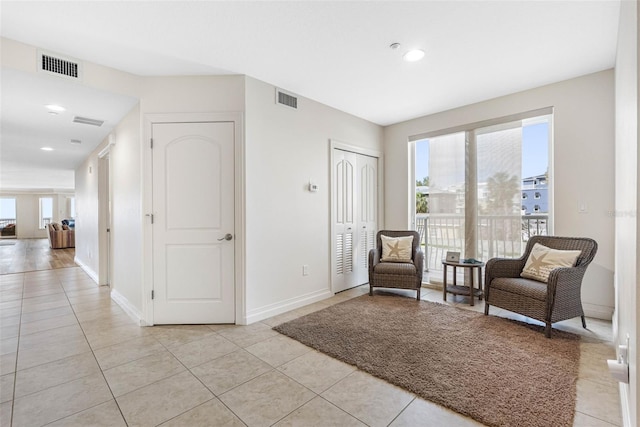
x: 535, y: 152
x: 7, y: 208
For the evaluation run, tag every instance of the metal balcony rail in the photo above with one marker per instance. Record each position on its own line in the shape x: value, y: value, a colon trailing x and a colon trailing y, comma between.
x: 6, y: 221
x: 498, y: 236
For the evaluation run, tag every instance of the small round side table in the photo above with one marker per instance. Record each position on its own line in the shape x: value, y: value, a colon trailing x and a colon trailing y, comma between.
x: 470, y: 290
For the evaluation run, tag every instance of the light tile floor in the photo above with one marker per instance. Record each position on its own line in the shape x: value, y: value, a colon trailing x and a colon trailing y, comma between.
x: 71, y: 357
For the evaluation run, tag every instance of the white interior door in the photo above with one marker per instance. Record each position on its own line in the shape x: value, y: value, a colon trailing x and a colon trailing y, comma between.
x: 193, y: 223
x: 354, y: 210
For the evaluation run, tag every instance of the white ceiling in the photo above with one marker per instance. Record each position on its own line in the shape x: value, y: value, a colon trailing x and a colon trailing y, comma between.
x: 335, y: 52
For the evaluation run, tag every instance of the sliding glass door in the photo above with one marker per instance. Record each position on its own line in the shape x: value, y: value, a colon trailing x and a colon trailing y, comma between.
x: 471, y: 188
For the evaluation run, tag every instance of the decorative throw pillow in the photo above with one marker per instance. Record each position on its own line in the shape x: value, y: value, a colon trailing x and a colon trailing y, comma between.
x: 543, y: 259
x: 65, y: 227
x: 396, y: 249
x: 55, y: 226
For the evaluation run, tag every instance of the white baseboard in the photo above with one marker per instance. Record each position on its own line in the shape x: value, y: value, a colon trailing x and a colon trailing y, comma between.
x: 89, y: 271
x: 624, y: 405
x: 271, y: 310
x: 128, y: 308
x: 597, y: 311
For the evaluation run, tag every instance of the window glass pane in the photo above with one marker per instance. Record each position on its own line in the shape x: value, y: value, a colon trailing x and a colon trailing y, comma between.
x: 535, y: 176
x: 499, y: 154
x: 46, y: 211
x: 8, y: 216
x: 440, y: 198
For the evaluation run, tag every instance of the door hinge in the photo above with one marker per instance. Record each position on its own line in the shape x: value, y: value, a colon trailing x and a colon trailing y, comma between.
x: 152, y: 294
x: 152, y: 143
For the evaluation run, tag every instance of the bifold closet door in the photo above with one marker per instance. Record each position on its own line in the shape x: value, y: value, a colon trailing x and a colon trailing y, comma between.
x: 354, y: 214
x: 367, y: 211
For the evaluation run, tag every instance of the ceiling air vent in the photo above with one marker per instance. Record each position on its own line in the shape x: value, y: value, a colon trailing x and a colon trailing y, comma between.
x: 76, y: 141
x: 87, y: 121
x: 59, y: 65
x: 286, y: 99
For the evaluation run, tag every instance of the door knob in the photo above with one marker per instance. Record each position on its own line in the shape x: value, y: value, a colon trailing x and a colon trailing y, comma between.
x: 227, y: 237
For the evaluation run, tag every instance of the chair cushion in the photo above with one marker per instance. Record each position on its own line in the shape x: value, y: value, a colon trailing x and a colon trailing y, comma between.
x: 543, y: 259
x: 396, y: 248
x: 398, y: 268
x: 530, y: 288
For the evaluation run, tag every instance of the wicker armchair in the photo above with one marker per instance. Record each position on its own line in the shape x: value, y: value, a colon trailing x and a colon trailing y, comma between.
x: 558, y: 299
x: 405, y: 275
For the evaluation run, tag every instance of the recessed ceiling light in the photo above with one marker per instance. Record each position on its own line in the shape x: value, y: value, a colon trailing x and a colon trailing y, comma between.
x: 46, y: 149
x: 56, y: 108
x: 414, y: 55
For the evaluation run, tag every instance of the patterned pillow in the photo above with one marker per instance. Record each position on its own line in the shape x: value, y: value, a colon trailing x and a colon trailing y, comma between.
x: 543, y: 259
x: 396, y: 249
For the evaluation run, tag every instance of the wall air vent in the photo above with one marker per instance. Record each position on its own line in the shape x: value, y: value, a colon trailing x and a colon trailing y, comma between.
x: 286, y: 99
x: 59, y: 65
x: 87, y: 121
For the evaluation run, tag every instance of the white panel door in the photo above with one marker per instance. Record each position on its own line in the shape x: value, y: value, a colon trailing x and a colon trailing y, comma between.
x: 367, y: 212
x: 344, y: 218
x: 193, y: 223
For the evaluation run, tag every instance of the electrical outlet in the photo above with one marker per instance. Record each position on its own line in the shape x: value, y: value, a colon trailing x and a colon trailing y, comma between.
x: 305, y: 270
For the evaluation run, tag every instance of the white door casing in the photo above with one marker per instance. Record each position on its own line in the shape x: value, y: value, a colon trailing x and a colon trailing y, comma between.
x: 193, y: 222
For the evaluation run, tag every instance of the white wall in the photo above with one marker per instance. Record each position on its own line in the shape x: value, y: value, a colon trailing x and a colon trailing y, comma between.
x: 286, y: 225
x: 87, y: 211
x: 125, y: 160
x: 627, y: 230
x: 583, y: 161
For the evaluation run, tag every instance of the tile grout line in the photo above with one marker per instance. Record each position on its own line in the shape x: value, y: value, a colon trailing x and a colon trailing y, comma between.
x: 15, y: 367
x: 415, y: 396
x: 94, y: 357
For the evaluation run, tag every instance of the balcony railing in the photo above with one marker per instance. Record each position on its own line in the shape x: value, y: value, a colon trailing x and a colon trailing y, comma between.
x: 44, y: 222
x: 6, y: 221
x: 498, y: 236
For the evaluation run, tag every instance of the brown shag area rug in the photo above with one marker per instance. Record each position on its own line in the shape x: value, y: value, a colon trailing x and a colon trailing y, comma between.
x: 496, y: 371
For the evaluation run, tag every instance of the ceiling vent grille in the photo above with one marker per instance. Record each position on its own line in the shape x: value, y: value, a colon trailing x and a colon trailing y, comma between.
x: 286, y: 99
x: 76, y: 141
x: 87, y: 121
x: 59, y: 65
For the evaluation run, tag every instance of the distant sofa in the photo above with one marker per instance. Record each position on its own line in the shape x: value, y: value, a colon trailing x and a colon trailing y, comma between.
x: 8, y: 230
x: 61, y: 236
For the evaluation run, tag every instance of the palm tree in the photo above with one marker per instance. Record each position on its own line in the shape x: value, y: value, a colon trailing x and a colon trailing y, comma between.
x: 422, y: 200
x: 503, y: 190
